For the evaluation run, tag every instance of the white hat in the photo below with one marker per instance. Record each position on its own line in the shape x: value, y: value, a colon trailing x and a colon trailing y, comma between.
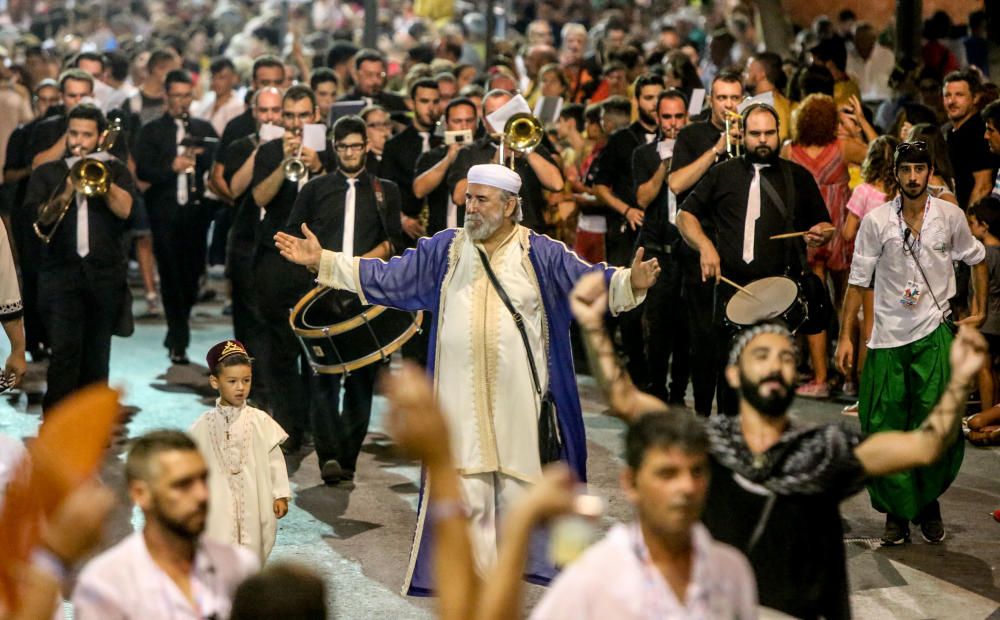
x: 495, y: 175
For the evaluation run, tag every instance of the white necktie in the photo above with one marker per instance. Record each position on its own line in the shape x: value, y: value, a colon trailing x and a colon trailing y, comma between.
x: 426, y: 144
x: 753, y: 213
x: 82, y: 226
x: 347, y: 246
x: 182, y: 180
x: 671, y: 207
x: 650, y: 137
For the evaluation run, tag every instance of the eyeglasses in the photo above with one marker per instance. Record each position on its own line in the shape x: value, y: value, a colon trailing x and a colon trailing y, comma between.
x: 917, y: 146
x: 343, y: 148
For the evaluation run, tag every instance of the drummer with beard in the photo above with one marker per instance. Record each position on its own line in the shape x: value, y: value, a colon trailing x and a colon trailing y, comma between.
x: 738, y: 200
x: 784, y: 477
x: 278, y: 284
x: 342, y: 210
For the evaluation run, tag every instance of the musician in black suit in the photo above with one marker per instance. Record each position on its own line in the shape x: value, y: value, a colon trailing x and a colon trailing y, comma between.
x: 369, y: 80
x: 278, y: 283
x: 172, y: 156
x: 401, y: 152
x: 342, y: 209
x: 83, y: 268
x: 734, y: 200
x: 433, y: 166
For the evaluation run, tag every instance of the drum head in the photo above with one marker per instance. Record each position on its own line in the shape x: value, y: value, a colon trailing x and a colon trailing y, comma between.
x: 771, y: 297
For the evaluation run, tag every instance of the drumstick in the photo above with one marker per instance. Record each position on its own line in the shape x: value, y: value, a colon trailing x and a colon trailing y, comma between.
x: 741, y: 289
x: 791, y: 235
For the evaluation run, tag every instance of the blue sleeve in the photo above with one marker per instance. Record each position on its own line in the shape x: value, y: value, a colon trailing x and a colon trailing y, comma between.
x: 409, y: 281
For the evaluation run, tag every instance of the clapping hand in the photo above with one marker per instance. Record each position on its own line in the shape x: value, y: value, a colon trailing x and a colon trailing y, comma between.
x: 415, y: 421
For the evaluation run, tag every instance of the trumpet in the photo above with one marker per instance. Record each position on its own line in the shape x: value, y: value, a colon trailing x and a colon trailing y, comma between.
x: 733, y: 148
x: 295, y: 168
x: 522, y: 133
x: 89, y: 176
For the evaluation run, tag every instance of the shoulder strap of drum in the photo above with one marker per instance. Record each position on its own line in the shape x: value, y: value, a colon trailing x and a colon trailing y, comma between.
x: 782, y: 206
x: 380, y: 208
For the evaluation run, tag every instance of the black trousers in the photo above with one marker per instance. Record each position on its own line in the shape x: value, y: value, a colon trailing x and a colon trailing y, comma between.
x: 179, y: 245
x: 249, y: 326
x: 339, y: 428
x: 666, y: 332
x: 222, y: 220
x: 279, y: 284
x: 82, y: 306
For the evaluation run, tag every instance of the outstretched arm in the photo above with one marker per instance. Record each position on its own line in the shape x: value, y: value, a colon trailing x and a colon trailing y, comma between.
x: 418, y: 427
x: 890, y: 452
x: 589, y: 302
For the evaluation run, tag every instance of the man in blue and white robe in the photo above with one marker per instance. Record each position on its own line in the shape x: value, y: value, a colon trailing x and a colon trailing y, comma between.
x: 477, y: 357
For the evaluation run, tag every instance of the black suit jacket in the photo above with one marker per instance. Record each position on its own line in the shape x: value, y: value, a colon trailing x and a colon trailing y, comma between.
x: 390, y: 101
x: 399, y: 160
x: 154, y: 154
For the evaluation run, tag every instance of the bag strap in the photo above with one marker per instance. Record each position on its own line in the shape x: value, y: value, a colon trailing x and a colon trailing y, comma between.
x: 518, y: 319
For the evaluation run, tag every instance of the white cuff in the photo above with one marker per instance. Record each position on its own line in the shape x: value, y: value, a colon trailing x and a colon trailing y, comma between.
x: 862, y: 270
x: 336, y: 270
x: 621, y: 297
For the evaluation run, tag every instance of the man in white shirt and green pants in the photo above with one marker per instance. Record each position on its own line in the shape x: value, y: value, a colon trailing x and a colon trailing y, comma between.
x: 905, y: 250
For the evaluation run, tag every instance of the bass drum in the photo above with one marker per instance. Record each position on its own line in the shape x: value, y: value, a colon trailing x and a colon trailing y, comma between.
x: 777, y: 297
x: 339, y: 334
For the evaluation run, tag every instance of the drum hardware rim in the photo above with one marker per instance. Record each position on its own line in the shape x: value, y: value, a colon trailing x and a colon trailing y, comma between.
x: 303, y: 305
x: 381, y: 354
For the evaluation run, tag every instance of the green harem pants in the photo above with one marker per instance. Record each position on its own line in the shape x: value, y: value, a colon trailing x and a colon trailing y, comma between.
x: 899, y: 388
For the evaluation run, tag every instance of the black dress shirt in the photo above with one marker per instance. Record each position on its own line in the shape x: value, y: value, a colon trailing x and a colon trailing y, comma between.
x: 155, y: 155
x: 439, y: 198
x: 321, y: 205
x: 246, y: 220
x: 483, y: 151
x: 270, y: 157
x: 105, y: 230
x: 240, y: 127
x: 720, y: 198
x: 389, y: 101
x: 656, y: 226
x: 399, y: 160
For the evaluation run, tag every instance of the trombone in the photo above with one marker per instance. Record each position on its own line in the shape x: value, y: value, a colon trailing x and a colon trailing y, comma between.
x: 522, y: 133
x: 734, y: 120
x: 295, y: 168
x: 90, y: 176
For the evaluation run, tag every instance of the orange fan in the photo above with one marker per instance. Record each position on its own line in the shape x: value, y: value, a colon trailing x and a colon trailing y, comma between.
x: 70, y: 445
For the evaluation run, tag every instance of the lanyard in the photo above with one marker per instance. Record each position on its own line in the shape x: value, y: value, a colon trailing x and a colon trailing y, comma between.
x: 914, y: 246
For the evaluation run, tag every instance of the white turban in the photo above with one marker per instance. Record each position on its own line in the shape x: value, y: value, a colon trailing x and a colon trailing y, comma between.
x: 495, y: 175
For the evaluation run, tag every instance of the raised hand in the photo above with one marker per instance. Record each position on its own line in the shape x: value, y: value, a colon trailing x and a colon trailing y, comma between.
x: 589, y: 300
x: 301, y: 251
x: 644, y: 273
x: 415, y: 421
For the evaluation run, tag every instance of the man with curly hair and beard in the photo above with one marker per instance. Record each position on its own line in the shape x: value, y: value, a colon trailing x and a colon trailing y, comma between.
x: 783, y: 476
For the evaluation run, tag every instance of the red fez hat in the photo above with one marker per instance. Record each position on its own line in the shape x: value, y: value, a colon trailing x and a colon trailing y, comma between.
x: 223, y: 350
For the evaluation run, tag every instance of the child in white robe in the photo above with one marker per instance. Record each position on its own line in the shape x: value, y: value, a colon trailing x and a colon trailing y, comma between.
x: 248, y: 482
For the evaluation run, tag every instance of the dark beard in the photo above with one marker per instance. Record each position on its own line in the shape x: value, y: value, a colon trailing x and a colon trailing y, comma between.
x: 755, y: 158
x: 177, y: 527
x: 646, y: 119
x: 352, y: 170
x: 774, y: 405
x: 907, y: 192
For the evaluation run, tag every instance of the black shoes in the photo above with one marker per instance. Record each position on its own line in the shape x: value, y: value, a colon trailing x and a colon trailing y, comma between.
x: 179, y: 356
x: 331, y: 472
x: 931, y: 525
x: 897, y: 531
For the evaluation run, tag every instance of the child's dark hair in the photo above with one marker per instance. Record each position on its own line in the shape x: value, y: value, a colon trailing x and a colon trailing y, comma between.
x: 235, y: 359
x: 987, y: 211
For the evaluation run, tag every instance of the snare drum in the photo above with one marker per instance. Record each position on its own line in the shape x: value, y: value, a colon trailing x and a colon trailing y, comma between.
x: 777, y: 297
x: 339, y: 334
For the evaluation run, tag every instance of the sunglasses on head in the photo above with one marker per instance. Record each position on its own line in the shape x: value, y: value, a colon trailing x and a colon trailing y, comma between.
x: 918, y: 146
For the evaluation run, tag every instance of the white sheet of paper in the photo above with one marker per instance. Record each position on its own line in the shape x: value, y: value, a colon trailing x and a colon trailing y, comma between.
x: 498, y: 119
x: 665, y: 148
x: 314, y: 137
x: 697, y: 101
x: 270, y: 132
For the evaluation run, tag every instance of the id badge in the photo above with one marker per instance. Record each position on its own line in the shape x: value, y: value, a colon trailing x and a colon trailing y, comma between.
x: 911, y: 294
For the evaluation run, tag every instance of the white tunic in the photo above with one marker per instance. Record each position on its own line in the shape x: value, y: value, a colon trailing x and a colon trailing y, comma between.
x: 124, y: 582
x: 242, y: 447
x: 482, y: 377
x: 878, y: 251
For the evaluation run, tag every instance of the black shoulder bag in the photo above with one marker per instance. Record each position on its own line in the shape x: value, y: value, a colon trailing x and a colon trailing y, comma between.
x: 813, y: 289
x: 549, y: 439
